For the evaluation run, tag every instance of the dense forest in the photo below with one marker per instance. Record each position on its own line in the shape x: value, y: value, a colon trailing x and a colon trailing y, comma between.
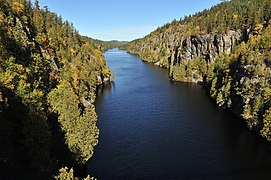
x: 48, y: 78
x: 105, y: 45
x: 227, y: 49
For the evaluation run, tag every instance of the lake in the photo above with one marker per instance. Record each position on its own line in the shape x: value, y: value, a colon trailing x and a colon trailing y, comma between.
x: 152, y: 128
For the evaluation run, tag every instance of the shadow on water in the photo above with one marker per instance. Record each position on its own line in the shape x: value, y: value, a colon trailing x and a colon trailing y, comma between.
x: 105, y: 88
x: 152, y: 128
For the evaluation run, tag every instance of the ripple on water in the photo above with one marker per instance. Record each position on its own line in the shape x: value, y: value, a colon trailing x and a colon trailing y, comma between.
x: 153, y: 129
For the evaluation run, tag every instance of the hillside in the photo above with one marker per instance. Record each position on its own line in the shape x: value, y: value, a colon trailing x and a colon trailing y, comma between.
x: 227, y: 48
x: 105, y: 45
x: 48, y: 79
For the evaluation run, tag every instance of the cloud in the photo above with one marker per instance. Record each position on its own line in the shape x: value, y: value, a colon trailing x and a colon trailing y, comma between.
x: 127, y: 33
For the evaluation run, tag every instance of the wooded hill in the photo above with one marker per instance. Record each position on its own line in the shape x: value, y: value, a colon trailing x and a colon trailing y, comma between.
x: 227, y: 48
x: 105, y: 45
x: 48, y: 79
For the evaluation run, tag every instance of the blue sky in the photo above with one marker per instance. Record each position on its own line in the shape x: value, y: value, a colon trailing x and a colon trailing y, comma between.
x: 123, y: 19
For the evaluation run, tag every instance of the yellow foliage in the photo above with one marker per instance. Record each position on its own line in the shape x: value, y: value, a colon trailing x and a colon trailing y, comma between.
x: 41, y: 38
x: 235, y: 17
x: 106, y: 72
x: 75, y: 82
x: 24, y: 18
x: 53, y: 76
x: 73, y: 52
x: 51, y: 42
x: 198, y: 29
x: 17, y: 7
x: 258, y: 27
x: 241, y: 49
x: 267, y: 94
x: 37, y: 94
x: 65, y: 174
x: 20, y: 69
x: 99, y: 55
x: 247, y: 112
x: 47, y: 57
x: 266, y: 131
x: 7, y: 78
x: 2, y: 18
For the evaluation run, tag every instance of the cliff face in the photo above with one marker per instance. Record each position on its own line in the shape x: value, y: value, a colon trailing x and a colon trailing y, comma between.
x: 171, y: 47
x: 206, y: 46
x: 234, y: 66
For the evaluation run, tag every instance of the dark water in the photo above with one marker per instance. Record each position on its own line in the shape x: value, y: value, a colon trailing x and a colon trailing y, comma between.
x: 151, y: 128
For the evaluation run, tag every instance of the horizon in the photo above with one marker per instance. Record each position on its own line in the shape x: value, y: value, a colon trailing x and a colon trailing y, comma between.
x: 125, y: 21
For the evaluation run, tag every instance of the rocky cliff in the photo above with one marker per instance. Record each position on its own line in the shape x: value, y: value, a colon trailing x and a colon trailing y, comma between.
x: 231, y: 57
x: 172, y: 46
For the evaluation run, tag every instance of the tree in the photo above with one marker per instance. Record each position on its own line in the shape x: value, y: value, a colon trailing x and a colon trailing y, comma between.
x: 48, y: 74
x: 66, y: 174
x: 266, y: 131
x: 213, y: 91
x: 80, y: 128
x: 2, y: 18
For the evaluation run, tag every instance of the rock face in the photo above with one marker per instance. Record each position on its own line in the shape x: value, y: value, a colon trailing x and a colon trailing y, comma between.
x: 225, y: 49
x: 206, y: 46
x: 172, y: 47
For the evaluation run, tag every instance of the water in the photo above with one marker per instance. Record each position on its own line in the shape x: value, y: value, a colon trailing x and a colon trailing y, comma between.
x: 151, y: 128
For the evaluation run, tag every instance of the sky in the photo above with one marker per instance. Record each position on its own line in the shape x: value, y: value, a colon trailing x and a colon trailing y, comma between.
x: 123, y: 20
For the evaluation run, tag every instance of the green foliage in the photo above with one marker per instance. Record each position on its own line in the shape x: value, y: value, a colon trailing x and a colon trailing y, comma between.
x: 179, y: 73
x: 48, y: 74
x: 213, y: 90
x: 266, y: 131
x: 80, y: 128
x: 190, y: 71
x: 105, y: 45
x: 238, y: 76
x: 37, y: 142
x: 251, y: 16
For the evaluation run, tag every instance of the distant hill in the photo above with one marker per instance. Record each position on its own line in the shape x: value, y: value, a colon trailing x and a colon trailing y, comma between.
x: 105, y: 45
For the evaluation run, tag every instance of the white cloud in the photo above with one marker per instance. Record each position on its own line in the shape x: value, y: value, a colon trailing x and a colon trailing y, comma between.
x: 127, y: 33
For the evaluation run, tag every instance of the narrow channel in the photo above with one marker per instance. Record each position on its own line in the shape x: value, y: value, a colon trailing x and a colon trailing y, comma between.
x: 151, y: 128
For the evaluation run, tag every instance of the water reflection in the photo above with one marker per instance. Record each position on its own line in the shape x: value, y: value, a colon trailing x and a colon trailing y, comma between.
x: 105, y: 88
x: 151, y: 128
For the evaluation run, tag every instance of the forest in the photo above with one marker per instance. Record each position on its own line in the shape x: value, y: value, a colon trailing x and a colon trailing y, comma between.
x: 227, y: 49
x: 48, y: 79
x: 105, y: 45
x: 49, y: 74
